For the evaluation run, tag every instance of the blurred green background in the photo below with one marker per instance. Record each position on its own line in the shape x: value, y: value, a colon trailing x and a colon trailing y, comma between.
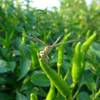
x: 18, y: 77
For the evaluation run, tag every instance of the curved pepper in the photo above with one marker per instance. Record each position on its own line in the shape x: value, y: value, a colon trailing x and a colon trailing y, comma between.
x: 61, y: 53
x: 76, y: 65
x: 58, y: 82
x: 51, y: 94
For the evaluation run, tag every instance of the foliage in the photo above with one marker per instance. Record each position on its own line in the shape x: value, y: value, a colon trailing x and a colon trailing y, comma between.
x: 21, y: 32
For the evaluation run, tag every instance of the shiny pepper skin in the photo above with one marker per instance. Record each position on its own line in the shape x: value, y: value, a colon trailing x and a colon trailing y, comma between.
x: 85, y: 46
x: 78, y: 63
x: 52, y: 93
x: 61, y: 53
x: 62, y: 86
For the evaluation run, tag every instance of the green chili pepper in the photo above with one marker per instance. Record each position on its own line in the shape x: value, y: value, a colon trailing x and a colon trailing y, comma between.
x: 34, y: 59
x: 85, y: 46
x: 33, y: 96
x: 76, y: 65
x: 34, y: 56
x: 60, y: 59
x: 87, y: 43
x: 51, y: 94
x: 58, y: 82
x: 79, y: 57
x: 61, y: 53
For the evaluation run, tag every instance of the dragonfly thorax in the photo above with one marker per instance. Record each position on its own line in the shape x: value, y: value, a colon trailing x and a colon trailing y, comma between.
x: 44, y: 53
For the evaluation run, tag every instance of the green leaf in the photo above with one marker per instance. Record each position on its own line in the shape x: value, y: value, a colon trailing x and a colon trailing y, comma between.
x: 3, y: 66
x: 16, y: 53
x: 95, y: 48
x: 2, y: 80
x: 4, y: 96
x: 25, y: 65
x: 83, y: 96
x: 39, y: 91
x: 3, y: 63
x: 39, y: 79
x: 88, y: 80
x: 59, y: 97
x: 11, y: 65
x: 7, y: 66
x: 97, y: 98
x: 27, y: 87
x: 20, y: 96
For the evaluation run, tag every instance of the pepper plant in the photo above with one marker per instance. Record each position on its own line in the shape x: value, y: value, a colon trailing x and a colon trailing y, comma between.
x: 49, y: 54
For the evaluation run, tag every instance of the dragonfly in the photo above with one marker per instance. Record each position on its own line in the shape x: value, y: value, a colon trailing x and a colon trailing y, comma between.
x: 48, y: 47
